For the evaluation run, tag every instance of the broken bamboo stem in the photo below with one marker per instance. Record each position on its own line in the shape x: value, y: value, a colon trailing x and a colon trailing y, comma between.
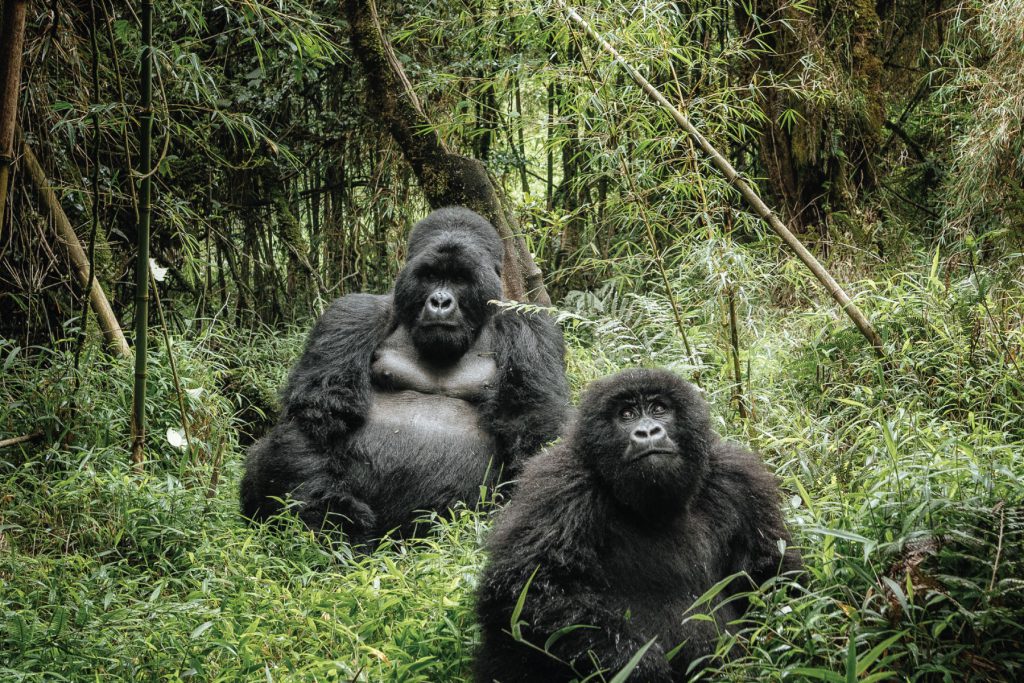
x: 100, y: 304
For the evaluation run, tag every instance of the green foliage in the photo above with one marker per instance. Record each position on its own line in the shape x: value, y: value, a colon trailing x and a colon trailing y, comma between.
x: 981, y: 96
x: 111, y: 574
x: 275, y: 192
x: 903, y: 485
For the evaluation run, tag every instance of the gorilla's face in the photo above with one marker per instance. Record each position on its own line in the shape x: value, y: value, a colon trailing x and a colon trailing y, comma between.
x: 645, y: 420
x: 647, y: 436
x: 442, y: 296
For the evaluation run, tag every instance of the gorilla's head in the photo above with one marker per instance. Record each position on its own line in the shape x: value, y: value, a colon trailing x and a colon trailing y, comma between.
x: 453, y: 270
x: 647, y: 436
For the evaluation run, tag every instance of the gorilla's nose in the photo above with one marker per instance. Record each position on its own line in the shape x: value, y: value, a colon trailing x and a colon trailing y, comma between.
x: 648, y: 433
x: 440, y: 304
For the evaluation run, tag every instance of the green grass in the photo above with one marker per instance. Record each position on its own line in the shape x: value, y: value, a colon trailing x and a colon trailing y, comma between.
x: 904, y: 485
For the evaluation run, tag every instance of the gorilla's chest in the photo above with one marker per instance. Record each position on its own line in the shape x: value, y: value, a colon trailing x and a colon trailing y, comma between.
x: 657, y: 575
x: 398, y: 369
x: 422, y: 446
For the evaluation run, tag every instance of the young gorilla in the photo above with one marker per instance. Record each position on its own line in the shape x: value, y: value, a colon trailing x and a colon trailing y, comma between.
x: 409, y: 401
x: 638, y: 512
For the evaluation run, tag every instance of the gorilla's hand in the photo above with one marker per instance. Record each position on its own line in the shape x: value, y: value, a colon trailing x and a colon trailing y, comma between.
x: 330, y: 413
x: 326, y: 510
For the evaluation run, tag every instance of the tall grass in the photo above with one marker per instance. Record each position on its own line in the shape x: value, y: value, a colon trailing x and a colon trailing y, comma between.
x: 903, y: 484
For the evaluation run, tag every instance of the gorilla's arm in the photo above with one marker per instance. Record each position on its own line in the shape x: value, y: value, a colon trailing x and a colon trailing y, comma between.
x: 328, y: 391
x: 532, y: 398
x: 759, y: 525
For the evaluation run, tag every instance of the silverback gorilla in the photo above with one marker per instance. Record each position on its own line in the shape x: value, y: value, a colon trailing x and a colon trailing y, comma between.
x: 622, y: 526
x: 409, y: 401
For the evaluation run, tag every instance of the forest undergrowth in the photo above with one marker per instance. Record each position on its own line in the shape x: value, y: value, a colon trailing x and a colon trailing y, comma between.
x: 902, y: 483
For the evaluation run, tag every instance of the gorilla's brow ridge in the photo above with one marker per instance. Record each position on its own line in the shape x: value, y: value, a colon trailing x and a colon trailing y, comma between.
x: 639, y: 395
x: 449, y: 268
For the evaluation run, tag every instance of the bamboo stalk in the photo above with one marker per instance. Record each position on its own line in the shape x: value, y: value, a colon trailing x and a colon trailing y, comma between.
x: 142, y: 264
x: 97, y: 297
x: 734, y: 178
x: 12, y: 36
x: 174, y: 367
x: 734, y: 340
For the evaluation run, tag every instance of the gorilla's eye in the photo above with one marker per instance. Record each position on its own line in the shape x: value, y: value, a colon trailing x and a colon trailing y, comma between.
x: 452, y: 274
x: 628, y: 413
x: 658, y: 408
x: 426, y: 274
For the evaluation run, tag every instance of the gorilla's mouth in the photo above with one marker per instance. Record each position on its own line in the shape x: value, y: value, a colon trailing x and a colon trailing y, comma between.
x: 651, y: 451
x: 442, y: 341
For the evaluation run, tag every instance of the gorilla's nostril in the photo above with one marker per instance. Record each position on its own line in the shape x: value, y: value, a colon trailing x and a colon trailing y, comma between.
x: 440, y: 302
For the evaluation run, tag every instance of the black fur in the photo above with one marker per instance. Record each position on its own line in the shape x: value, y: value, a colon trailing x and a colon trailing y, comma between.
x: 626, y: 547
x: 333, y: 448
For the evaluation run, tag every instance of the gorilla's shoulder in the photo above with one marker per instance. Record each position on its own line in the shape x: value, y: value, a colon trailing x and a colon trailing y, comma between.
x: 739, y: 477
x: 513, y: 318
x: 554, y: 505
x: 553, y: 470
x: 351, y: 319
x: 358, y: 306
x: 354, y: 310
x: 533, y: 333
x: 734, y: 461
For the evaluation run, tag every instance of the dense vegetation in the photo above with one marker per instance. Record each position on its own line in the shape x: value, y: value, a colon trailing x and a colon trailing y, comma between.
x: 887, y: 135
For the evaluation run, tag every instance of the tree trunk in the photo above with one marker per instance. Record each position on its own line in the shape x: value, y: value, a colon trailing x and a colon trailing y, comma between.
x: 12, y: 36
x: 818, y: 156
x: 445, y: 177
x: 290, y: 234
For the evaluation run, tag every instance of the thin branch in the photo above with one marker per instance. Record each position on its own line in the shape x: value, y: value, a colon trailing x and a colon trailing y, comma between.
x: 12, y: 36
x: 14, y: 441
x: 999, y: 545
x: 145, y: 175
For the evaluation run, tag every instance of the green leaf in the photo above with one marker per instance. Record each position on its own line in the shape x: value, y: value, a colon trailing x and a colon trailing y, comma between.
x: 711, y: 593
x: 58, y: 622
x: 10, y: 358
x: 876, y: 652
x: 564, y: 631
x: 201, y: 629
x: 19, y: 630
x: 632, y: 663
x: 516, y: 623
x: 819, y: 674
x: 851, y: 657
